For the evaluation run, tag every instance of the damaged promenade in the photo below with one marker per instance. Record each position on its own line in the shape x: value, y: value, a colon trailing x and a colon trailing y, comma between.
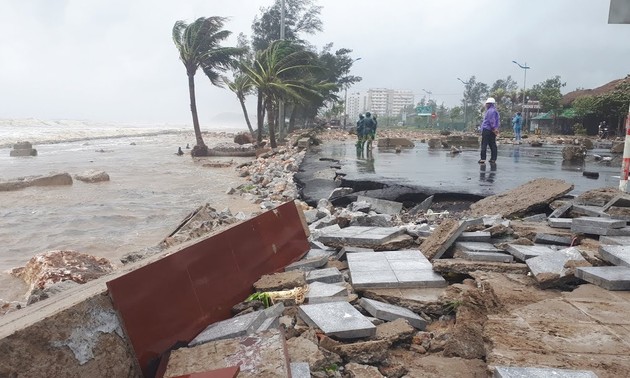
x: 360, y: 282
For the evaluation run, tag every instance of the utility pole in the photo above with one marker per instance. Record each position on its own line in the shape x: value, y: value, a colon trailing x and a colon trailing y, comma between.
x: 465, y: 104
x: 281, y: 126
x: 525, y: 68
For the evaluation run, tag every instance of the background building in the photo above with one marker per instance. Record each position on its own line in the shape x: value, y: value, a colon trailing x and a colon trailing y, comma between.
x: 388, y: 102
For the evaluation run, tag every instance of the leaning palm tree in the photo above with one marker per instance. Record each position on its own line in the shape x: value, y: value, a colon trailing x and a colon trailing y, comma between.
x: 199, y: 46
x: 279, y: 72
x: 241, y: 86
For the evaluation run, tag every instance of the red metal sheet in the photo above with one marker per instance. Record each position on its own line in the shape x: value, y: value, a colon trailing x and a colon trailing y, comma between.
x: 175, y: 298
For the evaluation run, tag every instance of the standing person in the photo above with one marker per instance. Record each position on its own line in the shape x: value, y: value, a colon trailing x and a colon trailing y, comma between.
x: 489, y: 131
x: 516, y: 124
x: 369, y: 127
x: 371, y: 133
x: 360, y: 132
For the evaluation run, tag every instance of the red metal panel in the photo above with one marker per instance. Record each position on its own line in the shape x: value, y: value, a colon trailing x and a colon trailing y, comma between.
x: 175, y: 298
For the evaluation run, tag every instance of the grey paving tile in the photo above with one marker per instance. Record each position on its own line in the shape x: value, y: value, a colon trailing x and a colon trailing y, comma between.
x: 373, y: 279
x: 486, y: 256
x: 543, y: 238
x: 616, y: 254
x: 230, y: 328
x: 608, y: 277
x: 560, y: 222
x: 476, y: 247
x: 419, y: 279
x: 615, y: 240
x: 476, y: 236
x: 319, y: 292
x: 382, y: 206
x: 403, y: 265
x: 550, y: 268
x: 404, y: 254
x: 524, y: 252
x: 338, y: 319
x: 599, y: 222
x: 326, y: 275
x: 389, y: 312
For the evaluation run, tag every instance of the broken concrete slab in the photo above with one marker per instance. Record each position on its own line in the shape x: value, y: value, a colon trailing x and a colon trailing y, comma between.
x: 422, y: 207
x: 598, y: 222
x: 557, y: 267
x: 607, y: 277
x: 560, y: 222
x: 230, y: 328
x: 475, y: 247
x: 476, y: 236
x: 280, y: 281
x: 620, y: 200
x: 308, y: 264
x: 461, y: 266
x: 543, y: 238
x: 347, y: 249
x: 326, y: 275
x: 260, y: 355
x: 527, y: 198
x: 561, y: 211
x: 319, y: 292
x: 359, y: 236
x: 317, y: 253
x: 616, y: 254
x: 442, y: 238
x: 389, y: 312
x: 534, y: 372
x: 615, y: 240
x: 338, y: 319
x: 524, y: 252
x: 382, y: 206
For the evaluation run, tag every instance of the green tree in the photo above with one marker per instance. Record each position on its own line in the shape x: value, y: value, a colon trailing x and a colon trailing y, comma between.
x: 278, y: 73
x: 548, y: 93
x: 474, y: 95
x: 199, y: 46
x: 301, y: 17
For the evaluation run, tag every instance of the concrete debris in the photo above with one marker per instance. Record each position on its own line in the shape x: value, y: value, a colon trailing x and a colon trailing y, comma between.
x: 607, y: 277
x: 389, y: 312
x: 338, y: 319
x: 556, y: 268
x: 382, y: 206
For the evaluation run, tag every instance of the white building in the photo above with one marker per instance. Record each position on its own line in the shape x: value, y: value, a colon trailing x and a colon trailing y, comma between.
x: 388, y: 102
x: 357, y: 103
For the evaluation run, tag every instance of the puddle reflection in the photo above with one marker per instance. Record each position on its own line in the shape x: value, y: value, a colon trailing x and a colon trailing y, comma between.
x: 365, y: 161
x: 487, y: 177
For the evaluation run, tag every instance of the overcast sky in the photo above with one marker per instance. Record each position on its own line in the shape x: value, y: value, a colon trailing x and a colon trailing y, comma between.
x: 114, y: 60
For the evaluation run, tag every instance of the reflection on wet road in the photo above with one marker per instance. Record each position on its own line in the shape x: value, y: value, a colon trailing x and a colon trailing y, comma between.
x: 443, y: 171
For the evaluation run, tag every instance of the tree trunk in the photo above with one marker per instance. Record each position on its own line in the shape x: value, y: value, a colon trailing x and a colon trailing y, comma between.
x: 292, y: 118
x: 249, y: 124
x: 260, y: 116
x: 271, y: 120
x: 200, y: 149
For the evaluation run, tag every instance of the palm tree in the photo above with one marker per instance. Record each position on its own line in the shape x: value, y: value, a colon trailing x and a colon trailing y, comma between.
x: 241, y: 86
x: 199, y: 46
x: 281, y: 71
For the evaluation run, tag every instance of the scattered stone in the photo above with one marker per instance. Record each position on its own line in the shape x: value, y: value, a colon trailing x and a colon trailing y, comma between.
x: 340, y: 192
x: 40, y: 294
x: 615, y: 240
x: 595, y: 225
x: 244, y: 138
x: 365, y: 352
x: 527, y: 198
x: 23, y: 149
x: 398, y: 330
x: 442, y: 238
x: 308, y: 264
x: 524, y: 252
x: 422, y: 207
x: 300, y: 369
x: 344, y: 250
x: 536, y: 218
x: 561, y: 211
x: 574, y: 153
x: 588, y: 211
x: 53, y: 179
x: 560, y: 222
x: 92, y: 176
x: 357, y: 236
x: 395, y: 142
x: 460, y: 266
x: 362, y: 371
x: 319, y: 292
x: 326, y: 275
x: 230, y: 328
x: 48, y: 268
x: 476, y: 236
x: 616, y: 254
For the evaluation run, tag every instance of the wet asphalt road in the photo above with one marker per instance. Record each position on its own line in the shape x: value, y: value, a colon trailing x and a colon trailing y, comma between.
x: 439, y: 171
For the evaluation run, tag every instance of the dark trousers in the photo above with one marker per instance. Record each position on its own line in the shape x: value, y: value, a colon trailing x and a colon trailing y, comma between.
x: 488, y: 138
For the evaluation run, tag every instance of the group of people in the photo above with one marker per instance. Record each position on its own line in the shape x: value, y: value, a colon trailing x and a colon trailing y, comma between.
x: 490, y: 131
x: 366, y: 131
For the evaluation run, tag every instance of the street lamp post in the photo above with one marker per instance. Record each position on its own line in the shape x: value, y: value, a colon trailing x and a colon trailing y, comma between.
x: 525, y: 68
x: 465, y: 105
x: 428, y: 101
x: 345, y: 96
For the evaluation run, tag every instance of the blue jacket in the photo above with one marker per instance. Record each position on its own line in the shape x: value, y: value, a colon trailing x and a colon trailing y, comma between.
x: 516, y: 121
x: 491, y: 119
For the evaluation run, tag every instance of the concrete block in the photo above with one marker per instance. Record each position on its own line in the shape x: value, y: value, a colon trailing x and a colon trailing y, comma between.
x: 485, y: 256
x: 552, y: 239
x: 300, y: 370
x: 623, y: 231
x: 382, y: 206
x: 443, y: 237
x: 338, y: 319
x: 556, y: 267
x: 616, y: 254
x: 615, y: 240
x: 561, y: 211
x: 320, y: 245
x: 319, y: 292
x: 317, y: 253
x: 560, y: 222
x: 422, y: 207
x: 389, y: 312
x: 536, y: 218
x: 476, y: 236
x: 524, y: 252
x: 326, y: 275
x: 532, y: 372
x: 230, y: 328
x: 607, y: 277
x: 621, y: 200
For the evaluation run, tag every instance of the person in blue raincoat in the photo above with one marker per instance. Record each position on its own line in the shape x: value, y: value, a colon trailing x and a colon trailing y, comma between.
x: 516, y: 124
